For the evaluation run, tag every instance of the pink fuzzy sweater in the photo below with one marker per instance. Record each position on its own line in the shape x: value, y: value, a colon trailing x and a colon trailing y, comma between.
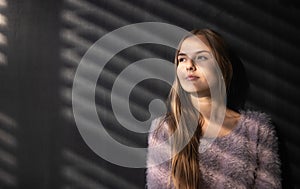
x: 245, y: 158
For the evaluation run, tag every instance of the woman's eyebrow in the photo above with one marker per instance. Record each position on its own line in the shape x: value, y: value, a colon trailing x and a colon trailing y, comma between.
x: 183, y: 54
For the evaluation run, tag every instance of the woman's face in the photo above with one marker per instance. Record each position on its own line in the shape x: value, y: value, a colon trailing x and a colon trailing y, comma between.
x: 194, y: 67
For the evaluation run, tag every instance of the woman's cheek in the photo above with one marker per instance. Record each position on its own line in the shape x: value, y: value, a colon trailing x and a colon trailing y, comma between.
x: 178, y: 72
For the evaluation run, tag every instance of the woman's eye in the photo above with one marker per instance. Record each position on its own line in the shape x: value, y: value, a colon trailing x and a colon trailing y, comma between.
x: 201, y: 58
x: 181, y: 59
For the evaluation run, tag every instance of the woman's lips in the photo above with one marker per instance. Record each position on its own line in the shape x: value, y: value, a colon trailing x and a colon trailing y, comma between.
x: 192, y: 78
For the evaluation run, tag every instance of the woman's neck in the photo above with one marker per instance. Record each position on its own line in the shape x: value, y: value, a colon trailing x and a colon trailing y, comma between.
x: 203, y: 104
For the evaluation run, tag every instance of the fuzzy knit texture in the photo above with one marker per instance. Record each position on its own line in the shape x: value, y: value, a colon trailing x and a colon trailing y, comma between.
x: 247, y: 157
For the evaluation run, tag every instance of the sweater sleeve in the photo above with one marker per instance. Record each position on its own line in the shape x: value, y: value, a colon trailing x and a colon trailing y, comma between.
x: 158, y: 172
x: 268, y: 174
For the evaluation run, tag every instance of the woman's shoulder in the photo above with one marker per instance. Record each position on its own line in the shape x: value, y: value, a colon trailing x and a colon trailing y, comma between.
x: 258, y: 121
x: 256, y: 118
x: 159, y: 129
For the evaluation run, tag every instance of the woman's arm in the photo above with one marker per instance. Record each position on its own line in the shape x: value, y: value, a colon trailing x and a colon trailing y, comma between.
x: 158, y: 163
x: 268, y: 174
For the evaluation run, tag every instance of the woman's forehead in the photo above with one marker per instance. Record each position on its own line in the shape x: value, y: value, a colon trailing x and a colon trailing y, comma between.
x: 193, y: 44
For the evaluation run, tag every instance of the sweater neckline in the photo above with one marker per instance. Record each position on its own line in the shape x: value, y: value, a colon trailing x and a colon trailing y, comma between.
x: 205, y: 143
x: 234, y: 130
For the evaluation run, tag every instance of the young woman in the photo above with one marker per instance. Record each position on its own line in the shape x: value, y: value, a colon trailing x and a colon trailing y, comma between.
x: 242, y: 149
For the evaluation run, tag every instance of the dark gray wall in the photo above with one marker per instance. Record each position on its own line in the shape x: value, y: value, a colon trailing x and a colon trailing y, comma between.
x: 40, y: 146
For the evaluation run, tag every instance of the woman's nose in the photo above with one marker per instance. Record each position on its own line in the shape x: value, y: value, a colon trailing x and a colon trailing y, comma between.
x: 190, y: 66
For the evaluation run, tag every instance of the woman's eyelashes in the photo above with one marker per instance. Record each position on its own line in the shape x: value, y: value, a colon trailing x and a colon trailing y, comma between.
x: 181, y: 59
x: 198, y: 58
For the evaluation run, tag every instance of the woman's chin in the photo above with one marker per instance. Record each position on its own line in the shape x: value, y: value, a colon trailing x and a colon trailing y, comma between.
x: 193, y: 89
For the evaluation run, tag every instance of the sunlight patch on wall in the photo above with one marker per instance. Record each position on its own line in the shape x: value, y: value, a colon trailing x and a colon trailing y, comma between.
x: 3, y: 27
x: 8, y: 150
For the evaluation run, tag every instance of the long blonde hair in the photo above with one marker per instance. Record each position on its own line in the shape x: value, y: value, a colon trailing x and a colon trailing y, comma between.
x: 185, y: 171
